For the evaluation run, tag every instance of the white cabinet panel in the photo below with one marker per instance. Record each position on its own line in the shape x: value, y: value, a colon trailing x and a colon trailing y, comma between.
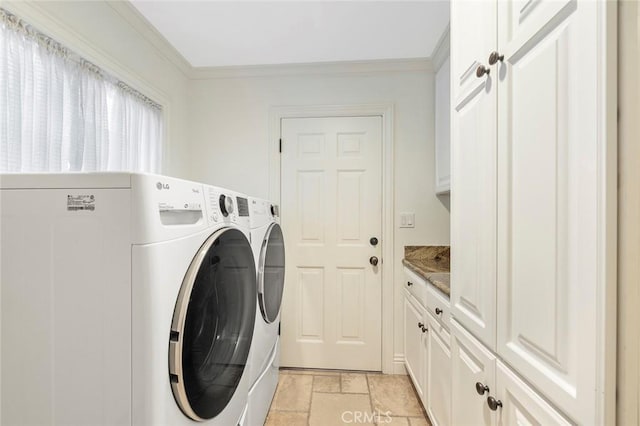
x: 471, y: 364
x: 472, y: 36
x: 533, y: 199
x: 548, y: 196
x: 438, y: 374
x: 521, y: 405
x: 413, y: 319
x: 473, y: 195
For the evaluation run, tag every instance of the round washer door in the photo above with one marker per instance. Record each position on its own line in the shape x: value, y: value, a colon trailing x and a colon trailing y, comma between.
x: 212, y: 325
x: 271, y: 273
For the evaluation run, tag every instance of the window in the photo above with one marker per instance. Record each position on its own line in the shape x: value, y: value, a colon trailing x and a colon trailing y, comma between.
x: 59, y: 112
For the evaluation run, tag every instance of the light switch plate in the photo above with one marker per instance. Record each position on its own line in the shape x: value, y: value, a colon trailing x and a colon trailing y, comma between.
x: 407, y: 220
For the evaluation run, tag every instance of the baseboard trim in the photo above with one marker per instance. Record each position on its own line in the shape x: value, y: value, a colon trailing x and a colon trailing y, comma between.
x: 398, y: 364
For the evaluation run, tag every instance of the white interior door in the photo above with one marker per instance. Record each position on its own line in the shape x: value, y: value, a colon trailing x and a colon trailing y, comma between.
x: 331, y: 207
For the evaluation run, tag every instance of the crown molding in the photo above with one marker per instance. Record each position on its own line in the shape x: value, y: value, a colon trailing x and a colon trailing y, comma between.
x: 130, y: 14
x: 316, y: 68
x: 441, y: 51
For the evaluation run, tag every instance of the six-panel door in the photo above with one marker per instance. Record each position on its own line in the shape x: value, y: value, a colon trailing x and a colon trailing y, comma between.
x: 331, y: 207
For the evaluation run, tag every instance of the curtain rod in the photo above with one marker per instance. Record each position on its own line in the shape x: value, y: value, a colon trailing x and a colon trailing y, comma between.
x: 18, y: 25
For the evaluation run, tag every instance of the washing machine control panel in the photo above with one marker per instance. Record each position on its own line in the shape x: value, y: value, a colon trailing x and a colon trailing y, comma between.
x: 221, y: 207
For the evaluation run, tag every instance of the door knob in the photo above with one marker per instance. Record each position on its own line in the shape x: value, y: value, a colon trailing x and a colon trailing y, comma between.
x: 493, y: 403
x: 482, y: 70
x: 373, y: 241
x: 494, y: 57
x: 481, y: 388
x: 373, y: 260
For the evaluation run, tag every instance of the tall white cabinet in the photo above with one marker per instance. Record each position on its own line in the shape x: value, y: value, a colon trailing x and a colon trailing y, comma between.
x: 533, y: 209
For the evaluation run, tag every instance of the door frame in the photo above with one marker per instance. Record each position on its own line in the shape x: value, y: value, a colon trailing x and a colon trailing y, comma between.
x: 386, y: 112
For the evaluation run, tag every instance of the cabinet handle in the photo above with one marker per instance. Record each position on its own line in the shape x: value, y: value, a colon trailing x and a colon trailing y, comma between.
x: 482, y: 70
x: 420, y: 325
x: 481, y: 388
x: 409, y: 283
x: 438, y: 311
x: 494, y: 57
x: 425, y: 329
x: 493, y: 403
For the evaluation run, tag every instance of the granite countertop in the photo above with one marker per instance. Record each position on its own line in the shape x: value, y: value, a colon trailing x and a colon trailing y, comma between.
x: 431, y: 263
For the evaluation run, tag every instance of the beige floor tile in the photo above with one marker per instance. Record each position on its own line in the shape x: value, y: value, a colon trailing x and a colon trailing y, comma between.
x: 419, y: 421
x: 282, y: 418
x: 394, y: 394
x: 354, y: 383
x: 293, y: 393
x: 329, y: 409
x: 326, y: 383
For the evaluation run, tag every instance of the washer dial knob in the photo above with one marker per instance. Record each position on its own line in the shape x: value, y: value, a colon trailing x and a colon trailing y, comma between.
x: 226, y: 205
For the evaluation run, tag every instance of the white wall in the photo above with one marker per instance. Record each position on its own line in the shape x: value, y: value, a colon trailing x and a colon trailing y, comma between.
x: 113, y: 36
x: 230, y: 130
x: 628, y: 214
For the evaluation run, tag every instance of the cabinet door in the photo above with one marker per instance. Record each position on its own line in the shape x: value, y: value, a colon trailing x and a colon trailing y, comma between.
x: 438, y: 374
x: 521, y: 405
x: 473, y: 174
x: 413, y: 314
x: 443, y: 128
x: 551, y: 199
x: 471, y: 363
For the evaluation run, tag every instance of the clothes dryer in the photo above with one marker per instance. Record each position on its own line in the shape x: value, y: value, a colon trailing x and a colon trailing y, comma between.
x: 268, y: 247
x: 125, y: 299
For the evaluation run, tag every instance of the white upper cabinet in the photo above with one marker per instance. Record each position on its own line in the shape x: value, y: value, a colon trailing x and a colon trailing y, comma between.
x: 533, y: 195
x: 474, y: 169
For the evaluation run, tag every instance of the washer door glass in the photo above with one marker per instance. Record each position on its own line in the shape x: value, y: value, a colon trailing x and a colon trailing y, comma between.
x: 213, y: 325
x: 271, y: 273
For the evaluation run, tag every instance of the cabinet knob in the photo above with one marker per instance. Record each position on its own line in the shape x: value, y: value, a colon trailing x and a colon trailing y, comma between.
x: 493, y: 403
x: 494, y: 57
x: 482, y: 70
x: 438, y: 311
x: 409, y: 283
x: 481, y: 388
x: 425, y: 329
x: 420, y: 325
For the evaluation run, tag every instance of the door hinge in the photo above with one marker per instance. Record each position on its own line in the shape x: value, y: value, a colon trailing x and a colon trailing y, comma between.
x: 280, y: 147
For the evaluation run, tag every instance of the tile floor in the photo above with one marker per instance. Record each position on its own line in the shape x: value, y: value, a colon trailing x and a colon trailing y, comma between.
x: 327, y: 398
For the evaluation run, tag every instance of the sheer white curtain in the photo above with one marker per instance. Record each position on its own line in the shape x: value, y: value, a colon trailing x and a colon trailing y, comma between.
x: 61, y: 113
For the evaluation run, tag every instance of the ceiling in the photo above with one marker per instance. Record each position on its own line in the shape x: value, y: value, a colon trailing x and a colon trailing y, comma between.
x: 237, y: 33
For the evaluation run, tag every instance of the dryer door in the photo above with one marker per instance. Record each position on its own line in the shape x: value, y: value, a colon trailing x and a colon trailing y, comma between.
x: 213, y: 325
x: 271, y: 273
